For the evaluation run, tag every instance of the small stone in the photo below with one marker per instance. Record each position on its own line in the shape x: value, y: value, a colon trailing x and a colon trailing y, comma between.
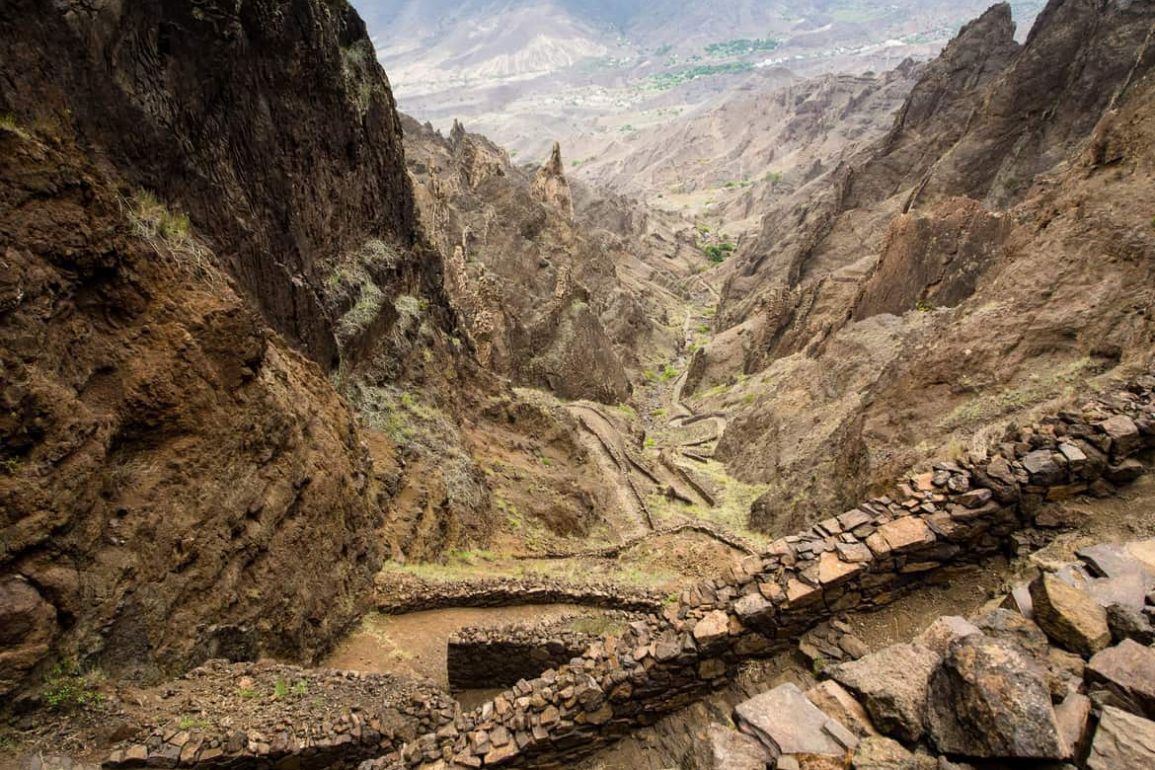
x: 1124, y: 435
x: 832, y: 570
x: 906, y: 533
x: 1069, y: 616
x: 1125, y: 472
x: 976, y: 498
x: 1043, y: 468
x: 713, y: 627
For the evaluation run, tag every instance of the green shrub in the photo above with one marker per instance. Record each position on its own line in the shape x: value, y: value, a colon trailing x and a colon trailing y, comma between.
x: 67, y: 688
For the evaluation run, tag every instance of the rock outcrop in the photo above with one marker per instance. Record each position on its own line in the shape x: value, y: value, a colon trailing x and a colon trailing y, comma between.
x: 550, y: 186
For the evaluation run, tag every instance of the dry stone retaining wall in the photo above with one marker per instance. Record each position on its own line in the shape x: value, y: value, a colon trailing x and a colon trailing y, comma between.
x: 486, y: 658
x: 415, y: 595
x: 954, y: 513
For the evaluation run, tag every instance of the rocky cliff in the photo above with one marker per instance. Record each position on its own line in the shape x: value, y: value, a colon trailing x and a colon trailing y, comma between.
x: 192, y: 196
x: 271, y: 123
x: 548, y: 299
x: 971, y: 263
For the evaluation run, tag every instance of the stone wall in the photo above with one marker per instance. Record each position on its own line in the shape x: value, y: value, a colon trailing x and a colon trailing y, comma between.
x: 411, y: 594
x: 486, y: 658
x: 951, y: 514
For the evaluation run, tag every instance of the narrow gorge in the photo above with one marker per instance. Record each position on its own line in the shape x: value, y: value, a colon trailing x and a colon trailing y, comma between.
x: 775, y: 414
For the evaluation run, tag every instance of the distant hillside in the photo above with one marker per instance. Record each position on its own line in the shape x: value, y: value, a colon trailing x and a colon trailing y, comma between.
x: 526, y: 72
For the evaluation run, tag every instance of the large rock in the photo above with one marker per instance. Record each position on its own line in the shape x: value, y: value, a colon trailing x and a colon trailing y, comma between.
x: 1127, y: 671
x: 1013, y: 627
x: 1124, y: 435
x: 27, y: 628
x: 1122, y: 742
x: 1069, y: 616
x: 732, y: 750
x: 881, y: 753
x: 1043, y: 468
x: 989, y: 700
x: 892, y: 685
x: 787, y: 723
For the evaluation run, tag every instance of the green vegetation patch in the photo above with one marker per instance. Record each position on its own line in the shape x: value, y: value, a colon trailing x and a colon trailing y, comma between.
x: 742, y: 47
x: 667, y: 80
x: 67, y: 688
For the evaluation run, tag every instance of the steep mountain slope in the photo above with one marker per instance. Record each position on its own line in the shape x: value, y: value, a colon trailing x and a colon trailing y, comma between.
x: 1038, y: 278
x: 176, y: 180
x: 549, y: 297
x: 729, y: 160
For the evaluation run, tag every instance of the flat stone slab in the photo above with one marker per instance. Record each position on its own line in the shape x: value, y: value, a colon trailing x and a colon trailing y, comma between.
x: 906, y: 533
x: 1128, y: 671
x: 1122, y: 742
x: 732, y: 750
x: 786, y: 723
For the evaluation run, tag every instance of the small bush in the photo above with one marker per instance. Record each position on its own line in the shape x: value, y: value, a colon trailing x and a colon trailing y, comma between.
x: 192, y: 723
x: 67, y: 688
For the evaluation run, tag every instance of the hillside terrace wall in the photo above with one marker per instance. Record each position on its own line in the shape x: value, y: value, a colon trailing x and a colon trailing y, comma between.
x: 954, y: 513
x: 488, y: 658
x: 411, y: 594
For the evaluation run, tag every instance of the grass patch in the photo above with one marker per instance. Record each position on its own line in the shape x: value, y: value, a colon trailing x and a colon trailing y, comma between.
x: 742, y: 47
x: 1061, y: 382
x: 192, y: 723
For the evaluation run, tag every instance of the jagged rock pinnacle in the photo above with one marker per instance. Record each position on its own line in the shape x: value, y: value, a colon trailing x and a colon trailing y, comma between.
x: 550, y: 185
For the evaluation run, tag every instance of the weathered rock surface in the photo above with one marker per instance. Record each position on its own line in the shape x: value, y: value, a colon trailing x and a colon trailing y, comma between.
x: 1122, y: 742
x: 1127, y: 671
x: 732, y: 750
x: 1069, y: 616
x: 892, y: 684
x: 987, y: 699
x: 788, y: 724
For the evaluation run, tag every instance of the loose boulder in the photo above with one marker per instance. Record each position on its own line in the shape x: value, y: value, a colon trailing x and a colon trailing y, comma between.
x: 892, y: 685
x: 1122, y: 742
x: 1127, y: 671
x: 989, y: 700
x: 1069, y: 616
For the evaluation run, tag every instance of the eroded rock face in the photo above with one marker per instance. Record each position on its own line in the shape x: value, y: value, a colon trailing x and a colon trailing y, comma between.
x: 550, y: 186
x: 27, y: 628
x: 203, y: 104
x: 987, y: 699
x: 184, y: 483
